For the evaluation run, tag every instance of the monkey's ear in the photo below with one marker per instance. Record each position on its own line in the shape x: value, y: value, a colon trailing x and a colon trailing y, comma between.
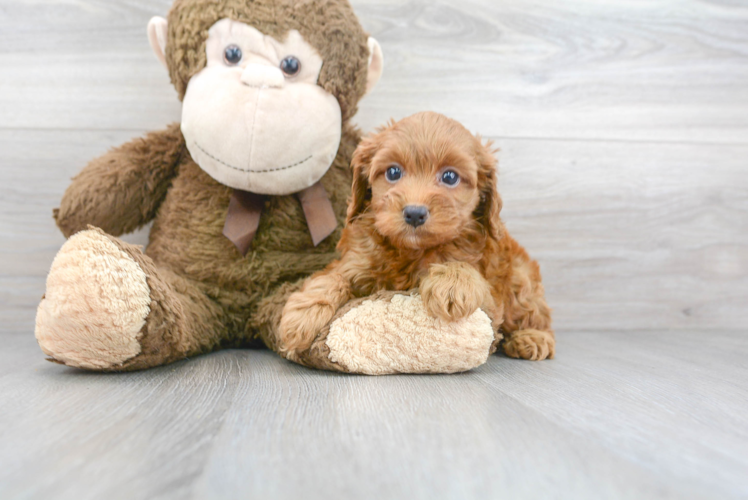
x: 376, y: 64
x: 158, y: 27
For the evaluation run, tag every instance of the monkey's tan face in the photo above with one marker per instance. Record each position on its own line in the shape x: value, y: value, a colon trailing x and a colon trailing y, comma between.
x: 254, y: 118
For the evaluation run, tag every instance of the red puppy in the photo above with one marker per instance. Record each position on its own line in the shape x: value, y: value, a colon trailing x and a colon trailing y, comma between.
x: 425, y: 214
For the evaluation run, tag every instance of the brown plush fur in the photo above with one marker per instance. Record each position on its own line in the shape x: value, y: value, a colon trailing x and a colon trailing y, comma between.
x: 462, y: 258
x: 204, y: 293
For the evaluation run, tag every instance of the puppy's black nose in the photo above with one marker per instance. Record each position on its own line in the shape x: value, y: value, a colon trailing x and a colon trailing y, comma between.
x: 416, y: 215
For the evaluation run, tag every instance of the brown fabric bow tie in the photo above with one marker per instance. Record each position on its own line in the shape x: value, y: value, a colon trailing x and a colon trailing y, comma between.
x: 245, y: 209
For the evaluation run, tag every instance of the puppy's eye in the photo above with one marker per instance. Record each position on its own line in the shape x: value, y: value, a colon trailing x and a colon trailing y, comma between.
x: 394, y: 173
x: 290, y: 66
x: 450, y: 178
x: 232, y: 55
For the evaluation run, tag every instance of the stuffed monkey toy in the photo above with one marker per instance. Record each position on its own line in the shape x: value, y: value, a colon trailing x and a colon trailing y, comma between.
x: 247, y: 195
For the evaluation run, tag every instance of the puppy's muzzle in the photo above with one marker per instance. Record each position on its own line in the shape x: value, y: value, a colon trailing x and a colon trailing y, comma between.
x: 416, y: 215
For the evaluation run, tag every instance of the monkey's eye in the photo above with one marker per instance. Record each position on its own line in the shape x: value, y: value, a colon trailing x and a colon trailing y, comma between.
x: 232, y: 55
x: 450, y: 178
x: 394, y: 173
x: 290, y: 66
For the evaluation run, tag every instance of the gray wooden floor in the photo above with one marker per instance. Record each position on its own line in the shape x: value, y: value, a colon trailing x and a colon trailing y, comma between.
x: 617, y: 415
x: 624, y: 170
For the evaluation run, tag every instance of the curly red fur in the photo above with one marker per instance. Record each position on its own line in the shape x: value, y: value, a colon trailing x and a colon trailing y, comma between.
x: 461, y: 259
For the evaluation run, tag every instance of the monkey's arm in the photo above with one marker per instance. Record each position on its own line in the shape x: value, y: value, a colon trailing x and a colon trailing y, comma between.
x: 122, y: 190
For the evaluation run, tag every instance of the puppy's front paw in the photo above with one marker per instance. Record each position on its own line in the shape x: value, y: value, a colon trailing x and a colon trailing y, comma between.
x: 535, y: 345
x: 454, y: 291
x: 302, y: 320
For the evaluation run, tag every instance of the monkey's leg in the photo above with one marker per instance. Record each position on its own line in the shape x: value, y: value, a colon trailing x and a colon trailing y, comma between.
x: 109, y: 308
x: 386, y: 333
x: 527, y: 317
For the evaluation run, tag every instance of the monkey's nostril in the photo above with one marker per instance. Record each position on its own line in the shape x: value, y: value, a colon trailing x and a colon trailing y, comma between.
x: 416, y: 215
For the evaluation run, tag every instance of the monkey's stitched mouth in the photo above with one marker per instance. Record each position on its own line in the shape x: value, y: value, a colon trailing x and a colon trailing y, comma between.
x: 265, y: 171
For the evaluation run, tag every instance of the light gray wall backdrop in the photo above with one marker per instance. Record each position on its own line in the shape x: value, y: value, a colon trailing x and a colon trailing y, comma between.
x: 623, y: 129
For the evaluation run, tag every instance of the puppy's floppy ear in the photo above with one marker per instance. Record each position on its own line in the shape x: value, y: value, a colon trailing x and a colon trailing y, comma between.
x: 361, y: 164
x: 488, y: 212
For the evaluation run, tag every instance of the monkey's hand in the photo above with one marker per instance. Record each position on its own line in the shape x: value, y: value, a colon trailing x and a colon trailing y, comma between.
x: 454, y: 291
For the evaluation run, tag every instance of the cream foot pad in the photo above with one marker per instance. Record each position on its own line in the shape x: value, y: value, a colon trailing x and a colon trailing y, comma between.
x: 95, y: 306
